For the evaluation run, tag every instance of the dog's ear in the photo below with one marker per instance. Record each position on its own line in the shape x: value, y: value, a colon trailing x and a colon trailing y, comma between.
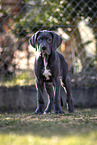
x: 57, y: 40
x: 33, y: 39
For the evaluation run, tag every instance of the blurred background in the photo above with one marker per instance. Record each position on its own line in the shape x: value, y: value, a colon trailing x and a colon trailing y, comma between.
x: 75, y: 21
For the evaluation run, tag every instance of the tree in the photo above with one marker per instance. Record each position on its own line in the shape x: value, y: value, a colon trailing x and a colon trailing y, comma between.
x: 8, y: 10
x: 49, y: 14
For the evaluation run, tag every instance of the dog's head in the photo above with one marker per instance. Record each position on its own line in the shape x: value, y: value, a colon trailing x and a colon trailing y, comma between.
x: 45, y: 41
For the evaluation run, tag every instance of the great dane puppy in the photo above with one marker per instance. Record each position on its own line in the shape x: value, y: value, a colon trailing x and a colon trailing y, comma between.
x: 50, y: 68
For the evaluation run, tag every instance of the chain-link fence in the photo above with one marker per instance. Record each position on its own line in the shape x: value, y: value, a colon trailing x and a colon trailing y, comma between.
x: 74, y: 20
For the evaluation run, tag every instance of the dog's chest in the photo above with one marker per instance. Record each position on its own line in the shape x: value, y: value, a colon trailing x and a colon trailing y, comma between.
x: 46, y: 72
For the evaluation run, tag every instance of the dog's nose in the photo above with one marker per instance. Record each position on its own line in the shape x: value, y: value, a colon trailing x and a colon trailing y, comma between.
x: 44, y: 48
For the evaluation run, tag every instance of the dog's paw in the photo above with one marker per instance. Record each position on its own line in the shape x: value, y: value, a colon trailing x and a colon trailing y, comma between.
x: 45, y: 112
x: 70, y: 107
x: 38, y: 111
x: 71, y: 110
x: 59, y: 111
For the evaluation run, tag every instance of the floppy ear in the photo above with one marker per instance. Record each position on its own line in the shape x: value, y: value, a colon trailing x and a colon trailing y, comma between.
x: 33, y: 39
x: 57, y: 40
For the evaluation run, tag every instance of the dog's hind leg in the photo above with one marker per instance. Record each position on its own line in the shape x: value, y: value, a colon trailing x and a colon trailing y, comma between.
x: 57, y: 101
x: 50, y: 91
x: 67, y: 85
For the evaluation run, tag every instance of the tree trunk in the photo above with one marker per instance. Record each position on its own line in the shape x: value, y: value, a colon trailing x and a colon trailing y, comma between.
x: 78, y: 45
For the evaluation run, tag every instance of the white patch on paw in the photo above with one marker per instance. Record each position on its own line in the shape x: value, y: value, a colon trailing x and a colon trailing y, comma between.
x: 44, y: 113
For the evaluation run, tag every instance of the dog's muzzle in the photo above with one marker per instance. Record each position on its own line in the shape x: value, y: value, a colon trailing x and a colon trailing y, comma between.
x: 45, y: 50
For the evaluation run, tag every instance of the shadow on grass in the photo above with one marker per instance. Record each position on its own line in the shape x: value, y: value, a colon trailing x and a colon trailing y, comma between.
x: 82, y: 122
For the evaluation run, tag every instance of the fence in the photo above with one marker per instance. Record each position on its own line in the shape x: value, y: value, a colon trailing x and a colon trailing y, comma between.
x: 75, y: 21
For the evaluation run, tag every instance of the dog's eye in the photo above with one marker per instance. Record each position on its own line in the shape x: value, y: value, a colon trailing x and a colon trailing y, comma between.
x: 49, y: 40
x: 39, y: 39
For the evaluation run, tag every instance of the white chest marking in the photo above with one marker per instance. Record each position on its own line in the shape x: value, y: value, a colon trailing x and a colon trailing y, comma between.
x: 46, y: 72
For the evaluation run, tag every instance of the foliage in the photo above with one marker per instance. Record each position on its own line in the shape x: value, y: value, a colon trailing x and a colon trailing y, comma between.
x: 21, y: 79
x: 48, y: 14
x: 31, y: 16
x: 79, y: 128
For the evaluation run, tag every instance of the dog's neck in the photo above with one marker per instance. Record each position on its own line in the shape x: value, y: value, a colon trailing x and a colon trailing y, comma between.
x: 46, y: 72
x: 45, y: 62
x: 45, y: 57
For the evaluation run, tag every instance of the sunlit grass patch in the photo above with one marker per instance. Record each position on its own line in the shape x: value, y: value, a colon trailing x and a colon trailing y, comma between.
x: 29, y: 139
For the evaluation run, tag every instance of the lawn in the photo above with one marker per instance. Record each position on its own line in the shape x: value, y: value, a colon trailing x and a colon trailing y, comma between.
x: 79, y: 128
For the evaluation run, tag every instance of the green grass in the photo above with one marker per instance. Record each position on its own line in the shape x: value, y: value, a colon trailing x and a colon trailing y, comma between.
x: 79, y: 128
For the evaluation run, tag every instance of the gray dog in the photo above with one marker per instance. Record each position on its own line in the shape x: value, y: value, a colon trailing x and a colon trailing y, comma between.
x: 50, y: 69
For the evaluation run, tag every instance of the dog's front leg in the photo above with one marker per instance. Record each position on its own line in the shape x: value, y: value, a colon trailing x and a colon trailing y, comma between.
x: 40, y: 101
x: 57, y: 102
x: 50, y: 92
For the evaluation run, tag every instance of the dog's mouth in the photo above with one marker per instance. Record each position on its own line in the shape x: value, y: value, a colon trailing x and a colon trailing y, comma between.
x: 45, y: 53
